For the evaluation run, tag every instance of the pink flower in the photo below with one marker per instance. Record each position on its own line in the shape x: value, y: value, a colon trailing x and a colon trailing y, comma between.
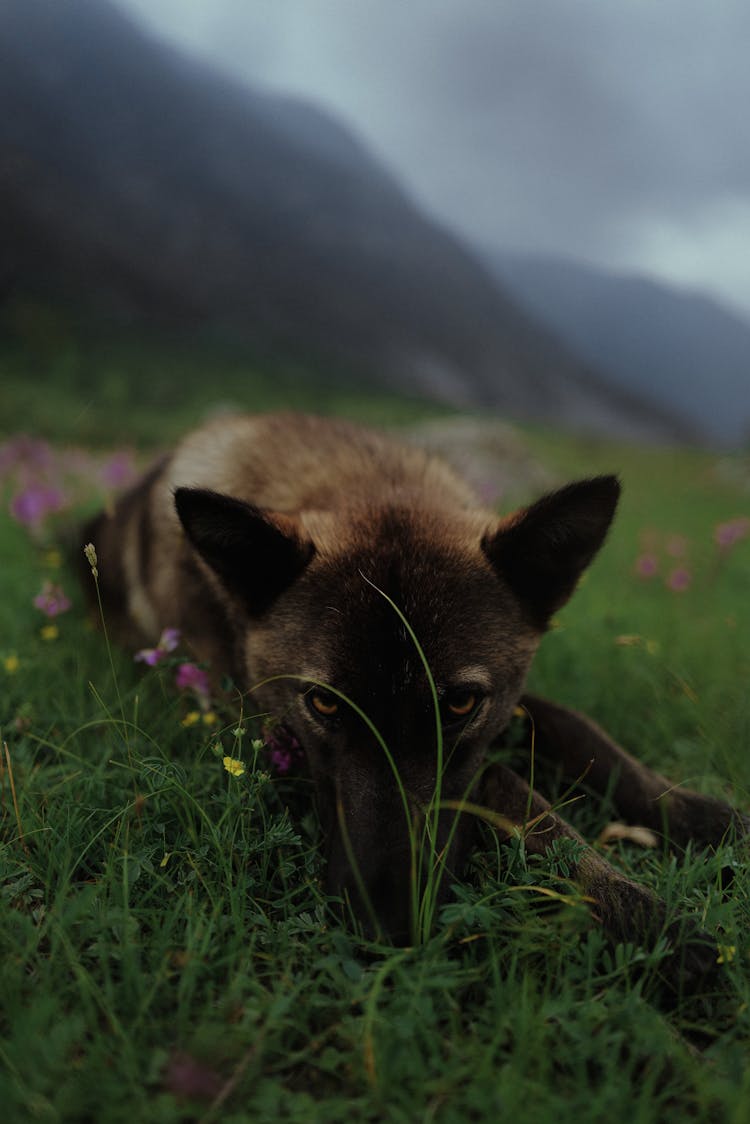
x: 727, y: 534
x: 189, y: 1078
x: 25, y: 452
x: 190, y: 677
x: 679, y: 580
x: 51, y: 600
x: 118, y: 470
x: 31, y: 506
x: 168, y: 641
x: 284, y: 751
x: 646, y: 566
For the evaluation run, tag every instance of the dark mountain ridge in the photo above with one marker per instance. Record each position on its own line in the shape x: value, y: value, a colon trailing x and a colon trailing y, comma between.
x: 149, y: 181
x: 677, y: 348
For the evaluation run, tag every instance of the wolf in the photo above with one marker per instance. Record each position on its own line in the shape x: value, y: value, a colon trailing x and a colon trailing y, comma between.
x: 355, y: 588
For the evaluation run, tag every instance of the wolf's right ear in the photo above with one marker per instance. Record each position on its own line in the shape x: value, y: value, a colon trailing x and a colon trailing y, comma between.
x: 256, y: 554
x: 543, y: 550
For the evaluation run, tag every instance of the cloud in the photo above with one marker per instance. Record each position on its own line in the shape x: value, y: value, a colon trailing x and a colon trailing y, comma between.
x: 570, y: 126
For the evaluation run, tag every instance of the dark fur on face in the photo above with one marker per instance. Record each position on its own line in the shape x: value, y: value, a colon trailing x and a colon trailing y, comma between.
x: 310, y: 559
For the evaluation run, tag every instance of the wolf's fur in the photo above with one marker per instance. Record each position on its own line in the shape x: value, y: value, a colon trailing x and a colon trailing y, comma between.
x: 275, y: 543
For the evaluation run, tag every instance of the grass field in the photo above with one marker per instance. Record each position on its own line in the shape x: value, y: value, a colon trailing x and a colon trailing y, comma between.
x: 167, y: 952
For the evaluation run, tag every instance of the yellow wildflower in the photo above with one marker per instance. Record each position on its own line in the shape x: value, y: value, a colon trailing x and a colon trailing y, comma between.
x: 11, y: 664
x: 726, y: 953
x: 49, y: 632
x: 209, y: 718
x: 234, y: 766
x: 192, y: 718
x: 53, y: 560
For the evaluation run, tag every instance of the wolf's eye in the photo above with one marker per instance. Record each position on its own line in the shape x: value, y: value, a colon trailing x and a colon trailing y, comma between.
x: 459, y: 703
x: 323, y: 703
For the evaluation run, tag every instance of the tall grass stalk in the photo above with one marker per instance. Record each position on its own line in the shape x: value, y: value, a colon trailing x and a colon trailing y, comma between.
x: 424, y: 896
x: 91, y: 557
x: 383, y: 745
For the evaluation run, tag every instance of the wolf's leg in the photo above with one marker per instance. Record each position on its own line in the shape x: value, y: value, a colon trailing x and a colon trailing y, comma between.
x: 640, y: 794
x: 627, y: 911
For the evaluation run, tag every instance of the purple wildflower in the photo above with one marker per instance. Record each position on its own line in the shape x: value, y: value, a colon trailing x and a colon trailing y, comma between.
x: 168, y: 641
x: 190, y: 677
x: 646, y: 566
x: 284, y: 751
x: 727, y: 534
x: 118, y: 470
x: 189, y: 1078
x: 34, y: 503
x: 25, y: 452
x: 679, y: 580
x: 51, y: 600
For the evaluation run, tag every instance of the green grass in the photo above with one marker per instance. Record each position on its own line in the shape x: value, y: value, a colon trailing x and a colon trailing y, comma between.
x: 168, y: 954
x: 96, y: 386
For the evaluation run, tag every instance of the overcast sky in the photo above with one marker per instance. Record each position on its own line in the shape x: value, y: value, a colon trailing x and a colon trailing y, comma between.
x: 613, y: 131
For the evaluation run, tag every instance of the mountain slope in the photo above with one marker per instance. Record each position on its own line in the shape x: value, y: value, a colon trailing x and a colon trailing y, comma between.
x: 679, y: 349
x: 137, y: 176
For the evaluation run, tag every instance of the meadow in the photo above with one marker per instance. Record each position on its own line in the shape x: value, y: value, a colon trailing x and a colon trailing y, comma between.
x: 167, y: 951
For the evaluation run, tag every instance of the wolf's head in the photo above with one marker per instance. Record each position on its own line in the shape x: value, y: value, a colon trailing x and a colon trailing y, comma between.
x: 394, y: 643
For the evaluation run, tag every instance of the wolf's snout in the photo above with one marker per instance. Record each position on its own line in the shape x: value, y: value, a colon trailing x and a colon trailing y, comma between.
x: 380, y: 873
x: 380, y: 907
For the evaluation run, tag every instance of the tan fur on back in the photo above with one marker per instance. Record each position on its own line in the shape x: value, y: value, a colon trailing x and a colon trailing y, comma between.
x: 334, y: 475
x: 294, y: 463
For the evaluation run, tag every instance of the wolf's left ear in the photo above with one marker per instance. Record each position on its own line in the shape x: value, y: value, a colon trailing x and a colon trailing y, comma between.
x: 256, y: 554
x: 543, y: 550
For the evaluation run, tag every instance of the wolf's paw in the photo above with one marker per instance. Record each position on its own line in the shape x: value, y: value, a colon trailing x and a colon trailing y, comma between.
x: 632, y: 914
x: 707, y: 821
x: 693, y: 966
